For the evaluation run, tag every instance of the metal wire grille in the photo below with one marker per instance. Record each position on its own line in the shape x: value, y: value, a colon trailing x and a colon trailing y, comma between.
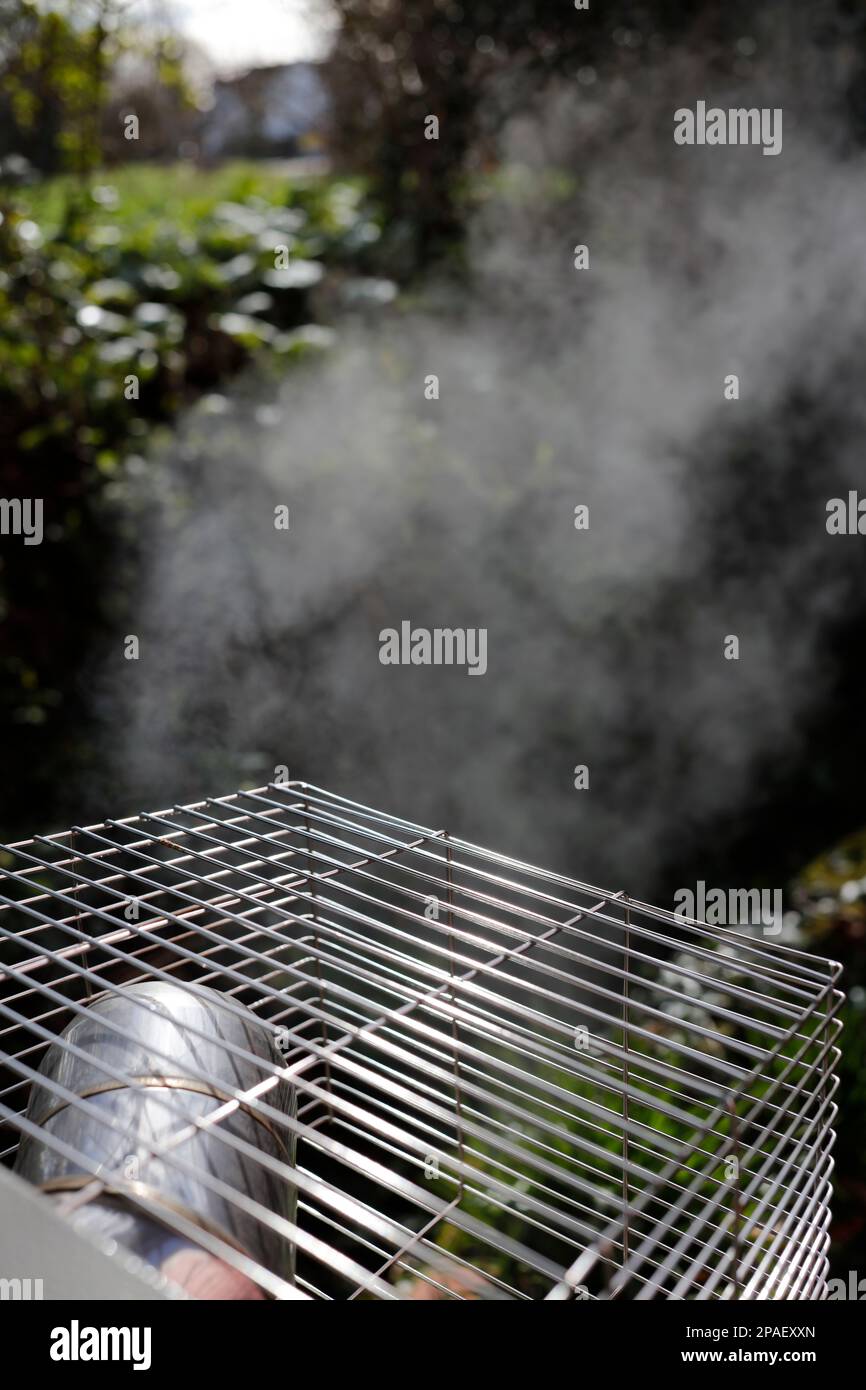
x: 509, y: 1084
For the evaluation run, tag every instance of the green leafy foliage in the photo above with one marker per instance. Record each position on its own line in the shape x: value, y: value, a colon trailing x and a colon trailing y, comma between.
x: 122, y: 298
x: 829, y: 897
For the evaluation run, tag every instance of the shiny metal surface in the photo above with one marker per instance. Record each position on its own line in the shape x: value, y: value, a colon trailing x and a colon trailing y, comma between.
x: 509, y: 1083
x: 163, y: 1039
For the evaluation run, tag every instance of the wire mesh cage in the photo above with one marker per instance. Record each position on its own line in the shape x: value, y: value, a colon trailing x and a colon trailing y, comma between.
x: 345, y: 1056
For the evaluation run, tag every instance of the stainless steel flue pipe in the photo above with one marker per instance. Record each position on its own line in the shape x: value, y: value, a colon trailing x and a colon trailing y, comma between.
x: 182, y: 1055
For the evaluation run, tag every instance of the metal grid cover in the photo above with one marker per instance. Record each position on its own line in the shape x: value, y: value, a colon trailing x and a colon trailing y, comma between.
x: 509, y: 1084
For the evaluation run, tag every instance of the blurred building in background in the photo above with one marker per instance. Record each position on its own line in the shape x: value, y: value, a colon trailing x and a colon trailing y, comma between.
x: 274, y: 111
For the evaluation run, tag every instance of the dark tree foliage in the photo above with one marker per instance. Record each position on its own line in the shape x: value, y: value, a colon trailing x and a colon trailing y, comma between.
x: 53, y: 72
x: 62, y: 97
x: 473, y: 64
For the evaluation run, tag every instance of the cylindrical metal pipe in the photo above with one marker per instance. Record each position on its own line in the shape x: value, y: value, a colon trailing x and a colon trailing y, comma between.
x: 156, y: 1018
